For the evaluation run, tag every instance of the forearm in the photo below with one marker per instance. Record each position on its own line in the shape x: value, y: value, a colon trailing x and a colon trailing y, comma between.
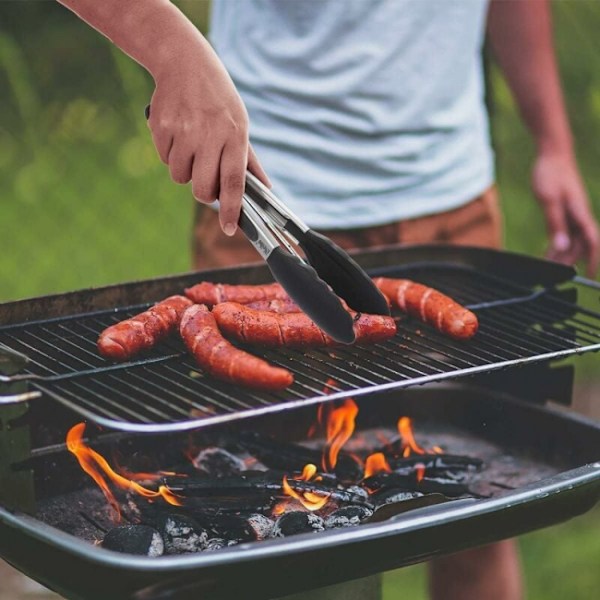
x: 155, y: 33
x: 520, y: 33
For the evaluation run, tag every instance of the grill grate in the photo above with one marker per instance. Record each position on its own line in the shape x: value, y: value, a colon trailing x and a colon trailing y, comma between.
x: 166, y: 391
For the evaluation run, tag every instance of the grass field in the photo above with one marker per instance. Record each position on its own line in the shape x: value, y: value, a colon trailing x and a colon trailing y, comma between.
x: 85, y: 201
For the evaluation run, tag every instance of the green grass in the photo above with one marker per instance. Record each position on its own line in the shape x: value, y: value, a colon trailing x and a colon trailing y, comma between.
x: 86, y: 202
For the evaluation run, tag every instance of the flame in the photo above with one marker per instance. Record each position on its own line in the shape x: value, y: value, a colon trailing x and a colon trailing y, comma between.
x: 376, y: 463
x: 419, y: 471
x: 409, y: 443
x: 310, y: 500
x: 340, y: 426
x: 97, y: 467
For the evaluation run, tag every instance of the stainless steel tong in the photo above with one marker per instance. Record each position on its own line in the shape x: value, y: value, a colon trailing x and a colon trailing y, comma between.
x: 275, y: 231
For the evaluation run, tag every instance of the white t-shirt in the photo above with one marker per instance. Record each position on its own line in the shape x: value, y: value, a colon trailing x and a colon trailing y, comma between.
x: 363, y: 112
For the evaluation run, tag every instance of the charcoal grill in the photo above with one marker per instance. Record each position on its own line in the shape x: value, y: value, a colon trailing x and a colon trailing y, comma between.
x: 529, y: 318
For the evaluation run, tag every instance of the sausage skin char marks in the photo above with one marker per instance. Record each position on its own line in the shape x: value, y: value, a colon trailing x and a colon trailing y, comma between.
x: 140, y: 333
x: 293, y: 329
x: 210, y: 293
x: 430, y: 306
x: 222, y: 360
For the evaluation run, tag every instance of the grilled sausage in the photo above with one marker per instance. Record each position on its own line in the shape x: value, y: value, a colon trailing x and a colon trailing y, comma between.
x: 276, y: 306
x: 224, y: 361
x: 430, y: 306
x: 210, y: 293
x: 292, y: 329
x: 132, y: 336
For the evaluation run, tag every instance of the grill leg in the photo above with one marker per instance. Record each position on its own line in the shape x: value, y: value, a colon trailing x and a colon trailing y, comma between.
x: 368, y: 588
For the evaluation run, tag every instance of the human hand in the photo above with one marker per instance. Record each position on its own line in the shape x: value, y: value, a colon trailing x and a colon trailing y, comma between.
x: 200, y: 129
x: 572, y: 227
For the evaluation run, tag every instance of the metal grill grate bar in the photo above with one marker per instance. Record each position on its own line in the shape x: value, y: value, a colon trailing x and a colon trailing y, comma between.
x: 166, y: 391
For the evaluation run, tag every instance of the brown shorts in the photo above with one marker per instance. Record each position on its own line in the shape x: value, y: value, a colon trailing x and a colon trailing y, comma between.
x: 478, y: 223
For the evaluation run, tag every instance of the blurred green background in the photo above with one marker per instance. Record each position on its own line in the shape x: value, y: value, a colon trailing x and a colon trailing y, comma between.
x: 86, y: 202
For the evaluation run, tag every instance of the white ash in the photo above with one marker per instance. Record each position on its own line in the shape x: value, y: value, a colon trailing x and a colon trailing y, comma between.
x: 348, y: 516
x: 297, y: 521
x: 218, y: 462
x: 182, y: 535
x: 261, y: 525
x: 218, y: 543
x: 358, y: 491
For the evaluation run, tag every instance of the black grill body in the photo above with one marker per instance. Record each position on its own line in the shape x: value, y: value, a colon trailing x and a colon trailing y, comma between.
x: 533, y: 301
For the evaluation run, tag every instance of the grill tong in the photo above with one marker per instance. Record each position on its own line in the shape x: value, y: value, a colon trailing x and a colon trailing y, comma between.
x: 274, y: 230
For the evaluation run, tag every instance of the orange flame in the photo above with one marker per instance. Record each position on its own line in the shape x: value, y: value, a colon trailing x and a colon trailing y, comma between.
x: 340, y: 426
x: 420, y: 471
x: 409, y: 443
x: 96, y: 466
x: 310, y: 500
x: 376, y: 463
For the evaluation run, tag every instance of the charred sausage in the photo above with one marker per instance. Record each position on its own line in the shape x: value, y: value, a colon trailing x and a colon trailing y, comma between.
x: 210, y: 293
x: 224, y: 361
x: 430, y: 306
x: 292, y: 329
x: 140, y: 333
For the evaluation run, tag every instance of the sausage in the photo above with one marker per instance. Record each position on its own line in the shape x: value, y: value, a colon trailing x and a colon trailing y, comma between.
x: 224, y: 361
x: 276, y: 306
x: 293, y: 329
x: 210, y: 293
x: 132, y: 336
x: 430, y: 306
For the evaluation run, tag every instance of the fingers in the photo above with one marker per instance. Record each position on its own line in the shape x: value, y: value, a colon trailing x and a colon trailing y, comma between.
x: 205, y: 176
x: 556, y: 222
x: 585, y: 232
x: 232, y: 181
x: 180, y: 161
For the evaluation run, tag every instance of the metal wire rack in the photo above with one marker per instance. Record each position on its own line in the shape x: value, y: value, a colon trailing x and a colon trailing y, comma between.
x: 166, y: 391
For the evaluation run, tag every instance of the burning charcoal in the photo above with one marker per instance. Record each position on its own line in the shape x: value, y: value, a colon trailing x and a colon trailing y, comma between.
x: 181, y: 534
x: 292, y: 457
x: 134, y: 539
x: 358, y: 491
x: 437, y: 464
x: 393, y: 496
x: 218, y: 543
x: 217, y: 462
x: 347, y: 516
x: 241, y: 528
x: 448, y: 487
x: 293, y: 522
x: 251, y: 484
x: 263, y: 526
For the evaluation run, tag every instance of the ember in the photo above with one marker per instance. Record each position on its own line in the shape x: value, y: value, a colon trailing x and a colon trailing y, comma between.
x: 216, y: 500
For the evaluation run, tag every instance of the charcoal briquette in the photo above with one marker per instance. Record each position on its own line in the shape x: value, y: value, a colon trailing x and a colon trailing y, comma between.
x: 347, y: 516
x: 297, y: 521
x: 218, y: 462
x: 218, y: 543
x: 134, y: 539
x: 181, y: 534
x: 261, y: 525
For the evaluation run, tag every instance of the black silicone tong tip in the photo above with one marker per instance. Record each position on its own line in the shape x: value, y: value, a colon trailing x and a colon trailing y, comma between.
x: 343, y: 274
x: 312, y: 295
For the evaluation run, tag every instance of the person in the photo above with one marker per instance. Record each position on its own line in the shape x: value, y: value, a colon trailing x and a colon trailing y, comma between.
x: 370, y: 118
